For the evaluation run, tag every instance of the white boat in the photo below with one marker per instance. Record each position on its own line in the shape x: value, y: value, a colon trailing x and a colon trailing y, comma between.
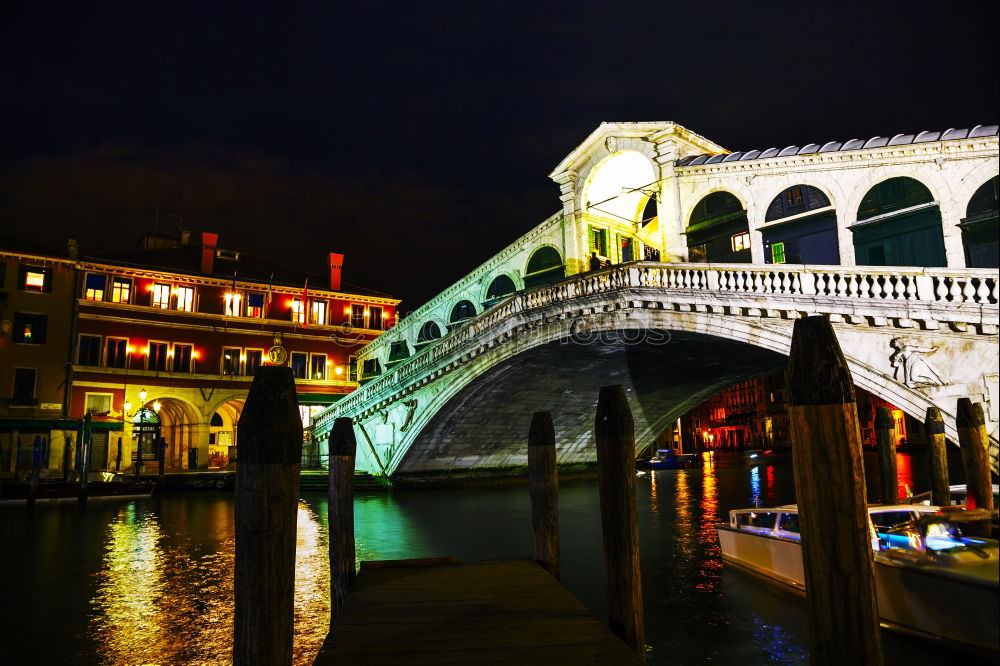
x: 930, y: 580
x: 958, y: 495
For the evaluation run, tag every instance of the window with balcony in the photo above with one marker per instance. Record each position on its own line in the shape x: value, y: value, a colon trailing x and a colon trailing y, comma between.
x: 89, y: 350
x: 358, y: 316
x: 161, y: 296
x: 94, y: 288
x: 254, y: 358
x: 29, y: 329
x: 317, y: 369
x: 375, y: 319
x: 23, y: 391
x: 298, y: 311
x: 182, y: 358
x: 121, y: 290
x: 33, y: 278
x: 300, y: 361
x: 185, y: 298
x: 231, y: 360
x: 233, y: 304
x: 255, y: 305
x: 319, y: 312
x: 116, y: 352
x: 157, y: 359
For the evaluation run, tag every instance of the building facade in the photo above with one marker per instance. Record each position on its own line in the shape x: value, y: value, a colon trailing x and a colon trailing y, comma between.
x: 176, y: 327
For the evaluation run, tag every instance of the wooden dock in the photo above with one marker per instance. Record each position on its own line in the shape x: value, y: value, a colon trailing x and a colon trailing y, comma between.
x: 445, y: 612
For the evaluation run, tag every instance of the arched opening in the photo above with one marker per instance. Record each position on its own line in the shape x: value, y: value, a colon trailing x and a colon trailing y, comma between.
x: 501, y: 287
x: 979, y: 228
x: 180, y: 427
x: 718, y: 230
x: 428, y: 332
x: 222, y: 434
x: 463, y: 310
x: 800, y: 227
x: 544, y: 267
x: 619, y: 204
x: 899, y: 224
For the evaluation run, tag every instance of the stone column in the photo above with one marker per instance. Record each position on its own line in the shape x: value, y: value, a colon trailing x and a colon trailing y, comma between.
x: 199, y: 440
x: 952, y: 213
x: 673, y: 245
x: 575, y: 253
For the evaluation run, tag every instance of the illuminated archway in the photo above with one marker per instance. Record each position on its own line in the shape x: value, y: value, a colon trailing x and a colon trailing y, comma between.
x: 979, y: 228
x: 620, y: 205
x: 222, y: 437
x: 718, y: 230
x: 179, y: 427
x: 800, y: 227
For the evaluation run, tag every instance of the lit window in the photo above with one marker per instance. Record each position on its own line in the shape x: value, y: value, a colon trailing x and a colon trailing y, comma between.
x: 185, y: 298
x: 255, y: 305
x: 777, y: 253
x: 182, y: 358
x: 95, y: 287
x: 375, y: 320
x: 298, y: 311
x: 233, y: 301
x: 317, y: 368
x: 98, y: 403
x: 231, y: 360
x: 161, y: 296
x: 253, y: 361
x: 34, y: 281
x: 121, y: 290
x: 319, y: 312
x: 358, y: 316
x: 30, y: 328
x: 741, y: 241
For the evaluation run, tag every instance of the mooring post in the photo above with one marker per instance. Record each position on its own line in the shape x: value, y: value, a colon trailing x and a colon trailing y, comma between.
x: 543, y: 483
x: 17, y: 458
x: 36, y: 467
x: 886, y: 448
x: 67, y: 457
x: 267, y: 494
x: 616, y: 484
x: 937, y: 457
x: 830, y: 488
x: 340, y: 512
x: 86, y: 447
x: 973, y: 440
x: 118, y: 457
x: 161, y: 454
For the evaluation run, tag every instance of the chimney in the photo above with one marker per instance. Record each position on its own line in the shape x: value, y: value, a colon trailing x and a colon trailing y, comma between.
x: 208, y: 243
x: 185, y: 238
x: 72, y: 249
x: 336, y: 262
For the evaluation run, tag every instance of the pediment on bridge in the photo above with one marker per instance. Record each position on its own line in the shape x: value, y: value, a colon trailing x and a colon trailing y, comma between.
x: 609, y: 138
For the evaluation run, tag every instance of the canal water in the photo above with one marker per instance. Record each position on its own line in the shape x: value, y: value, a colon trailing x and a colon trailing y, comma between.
x: 149, y: 582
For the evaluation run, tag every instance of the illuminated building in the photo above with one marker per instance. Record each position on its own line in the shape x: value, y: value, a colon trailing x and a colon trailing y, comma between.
x: 181, y: 327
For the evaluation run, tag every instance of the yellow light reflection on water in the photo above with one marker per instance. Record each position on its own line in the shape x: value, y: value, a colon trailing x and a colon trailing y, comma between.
x: 707, y: 535
x: 162, y: 598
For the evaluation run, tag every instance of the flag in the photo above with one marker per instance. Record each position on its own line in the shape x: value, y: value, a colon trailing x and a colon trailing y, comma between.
x: 267, y: 296
x: 305, y: 304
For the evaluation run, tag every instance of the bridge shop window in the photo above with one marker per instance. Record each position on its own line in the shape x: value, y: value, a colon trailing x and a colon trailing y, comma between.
x: 94, y: 287
x: 501, y: 287
x: 598, y: 241
x: 980, y: 231
x: 34, y: 278
x: 116, y: 352
x: 715, y: 230
x: 428, y: 332
x: 299, y: 364
x: 794, y: 234
x: 899, y: 224
x: 544, y: 267
x: 463, y: 311
x: 121, y: 290
x: 88, y: 350
x: 398, y: 351
x: 370, y: 368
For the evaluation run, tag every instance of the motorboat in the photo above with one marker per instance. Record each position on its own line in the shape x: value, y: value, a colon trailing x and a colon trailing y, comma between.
x: 758, y: 456
x: 930, y: 579
x: 104, y: 486
x: 670, y: 459
x: 958, y: 495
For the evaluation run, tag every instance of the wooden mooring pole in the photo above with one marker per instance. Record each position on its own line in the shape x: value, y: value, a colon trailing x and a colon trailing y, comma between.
x: 86, y: 446
x: 67, y: 468
x: 543, y: 482
x: 36, y: 468
x: 886, y: 449
x: 937, y: 457
x: 973, y: 440
x: 340, y: 512
x: 267, y: 493
x: 830, y: 487
x: 616, y: 484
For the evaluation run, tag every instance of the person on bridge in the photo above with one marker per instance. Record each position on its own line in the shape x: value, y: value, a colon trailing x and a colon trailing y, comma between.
x: 595, y: 263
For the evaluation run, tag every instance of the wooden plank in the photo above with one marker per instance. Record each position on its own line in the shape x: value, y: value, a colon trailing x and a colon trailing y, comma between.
x: 505, y: 611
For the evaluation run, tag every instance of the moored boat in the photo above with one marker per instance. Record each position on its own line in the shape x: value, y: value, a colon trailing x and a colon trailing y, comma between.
x: 17, y: 492
x: 670, y: 459
x: 931, y: 581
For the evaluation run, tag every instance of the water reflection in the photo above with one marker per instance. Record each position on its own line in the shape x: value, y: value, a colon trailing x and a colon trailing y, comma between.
x: 755, y: 486
x: 904, y: 476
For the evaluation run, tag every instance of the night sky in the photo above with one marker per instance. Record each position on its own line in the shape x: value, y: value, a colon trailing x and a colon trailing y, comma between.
x: 417, y: 138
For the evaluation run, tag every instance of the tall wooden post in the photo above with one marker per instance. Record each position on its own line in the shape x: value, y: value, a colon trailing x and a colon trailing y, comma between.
x: 972, y: 438
x: 543, y: 482
x: 17, y: 457
x: 886, y: 448
x: 118, y: 457
x: 67, y: 457
x: 36, y: 466
x: 830, y: 487
x: 340, y: 512
x: 138, y: 454
x: 267, y: 493
x: 937, y: 456
x: 616, y: 483
x: 86, y: 448
x: 161, y: 454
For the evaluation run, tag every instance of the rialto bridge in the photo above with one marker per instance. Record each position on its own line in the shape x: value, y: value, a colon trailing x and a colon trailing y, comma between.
x: 677, y: 268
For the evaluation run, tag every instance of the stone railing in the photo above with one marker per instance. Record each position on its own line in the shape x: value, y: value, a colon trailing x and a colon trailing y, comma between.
x: 929, y: 295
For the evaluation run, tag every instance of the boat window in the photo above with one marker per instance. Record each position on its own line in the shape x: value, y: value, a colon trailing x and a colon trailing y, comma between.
x: 756, y: 519
x: 789, y: 522
x: 890, y: 519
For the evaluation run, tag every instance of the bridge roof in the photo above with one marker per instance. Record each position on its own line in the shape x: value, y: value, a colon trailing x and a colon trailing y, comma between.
x: 836, y: 146
x: 689, y: 141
